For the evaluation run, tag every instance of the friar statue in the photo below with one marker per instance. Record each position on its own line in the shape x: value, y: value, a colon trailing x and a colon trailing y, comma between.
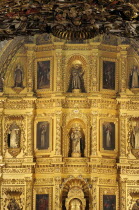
x: 135, y: 137
x: 135, y: 77
x: 136, y: 205
x: 76, y: 78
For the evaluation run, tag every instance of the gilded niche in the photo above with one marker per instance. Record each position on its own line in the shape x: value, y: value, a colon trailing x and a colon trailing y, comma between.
x: 76, y: 83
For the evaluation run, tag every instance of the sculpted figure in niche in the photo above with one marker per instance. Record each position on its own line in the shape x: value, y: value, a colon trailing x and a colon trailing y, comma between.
x: 76, y: 79
x: 14, y: 136
x: 77, y: 142
x: 75, y: 204
x: 135, y: 77
x: 136, y: 205
x: 18, y: 77
x: 13, y: 205
x: 135, y: 137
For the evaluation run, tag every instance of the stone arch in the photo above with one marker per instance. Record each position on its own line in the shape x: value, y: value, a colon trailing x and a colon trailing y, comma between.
x: 79, y: 185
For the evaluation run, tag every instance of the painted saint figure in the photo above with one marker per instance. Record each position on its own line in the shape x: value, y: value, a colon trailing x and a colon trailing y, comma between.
x: 43, y: 135
x: 13, y: 205
x: 135, y: 77
x: 136, y: 205
x: 18, y: 77
x: 108, y: 135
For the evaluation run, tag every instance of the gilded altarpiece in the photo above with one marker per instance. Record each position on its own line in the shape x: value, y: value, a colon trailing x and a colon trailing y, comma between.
x: 39, y: 163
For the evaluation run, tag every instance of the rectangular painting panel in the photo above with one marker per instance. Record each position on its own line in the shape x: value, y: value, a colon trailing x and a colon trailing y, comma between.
x: 109, y: 202
x: 108, y: 135
x: 42, y: 202
x: 108, y: 75
x: 43, y: 133
x: 43, y: 74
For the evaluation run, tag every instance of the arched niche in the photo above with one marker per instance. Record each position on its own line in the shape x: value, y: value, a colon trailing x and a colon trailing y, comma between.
x: 75, y: 199
x: 75, y: 188
x: 67, y: 144
x: 72, y: 60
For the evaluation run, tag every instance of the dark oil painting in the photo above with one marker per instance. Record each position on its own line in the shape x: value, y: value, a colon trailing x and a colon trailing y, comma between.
x: 43, y: 135
x: 43, y: 74
x: 109, y: 202
x: 109, y: 75
x: 42, y: 202
x: 108, y: 136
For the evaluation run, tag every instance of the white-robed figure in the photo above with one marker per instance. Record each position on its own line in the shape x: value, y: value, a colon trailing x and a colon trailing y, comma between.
x: 135, y: 79
x: 76, y: 136
x: 14, y: 134
x: 75, y: 204
x: 108, y: 135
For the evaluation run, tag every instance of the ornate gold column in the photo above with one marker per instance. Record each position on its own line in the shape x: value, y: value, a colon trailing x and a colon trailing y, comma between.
x: 58, y: 134
x: 94, y: 193
x: 94, y: 66
x: 94, y: 134
x: 123, y: 67
x: 30, y: 139
x: 57, y: 192
x: 59, y: 58
x: 29, y: 193
x: 30, y: 67
x: 122, y: 140
x: 123, y: 194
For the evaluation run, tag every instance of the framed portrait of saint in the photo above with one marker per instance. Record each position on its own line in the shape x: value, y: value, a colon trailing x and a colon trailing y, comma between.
x: 109, y: 202
x: 108, y: 135
x: 43, y: 74
x: 42, y: 201
x: 43, y: 134
x: 108, y: 75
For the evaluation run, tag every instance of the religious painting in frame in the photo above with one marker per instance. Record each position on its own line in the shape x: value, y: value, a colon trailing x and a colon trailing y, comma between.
x: 108, y: 75
x: 109, y: 202
x: 42, y: 195
x: 43, y: 135
x: 109, y: 196
x: 108, y: 135
x: 108, y: 129
x: 43, y: 74
x: 42, y: 202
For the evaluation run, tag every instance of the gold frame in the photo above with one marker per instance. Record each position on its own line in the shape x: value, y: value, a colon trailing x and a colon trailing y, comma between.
x: 39, y: 151
x: 109, y: 152
x: 109, y: 91
x: 38, y: 190
x: 109, y: 191
x: 51, y: 74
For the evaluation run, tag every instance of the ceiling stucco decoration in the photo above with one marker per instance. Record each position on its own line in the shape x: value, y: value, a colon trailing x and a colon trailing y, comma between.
x: 69, y: 19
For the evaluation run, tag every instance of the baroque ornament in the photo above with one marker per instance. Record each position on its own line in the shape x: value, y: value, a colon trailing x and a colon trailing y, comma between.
x: 70, y: 19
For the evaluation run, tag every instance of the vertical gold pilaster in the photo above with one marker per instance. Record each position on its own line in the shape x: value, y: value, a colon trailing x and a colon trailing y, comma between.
x: 123, y: 67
